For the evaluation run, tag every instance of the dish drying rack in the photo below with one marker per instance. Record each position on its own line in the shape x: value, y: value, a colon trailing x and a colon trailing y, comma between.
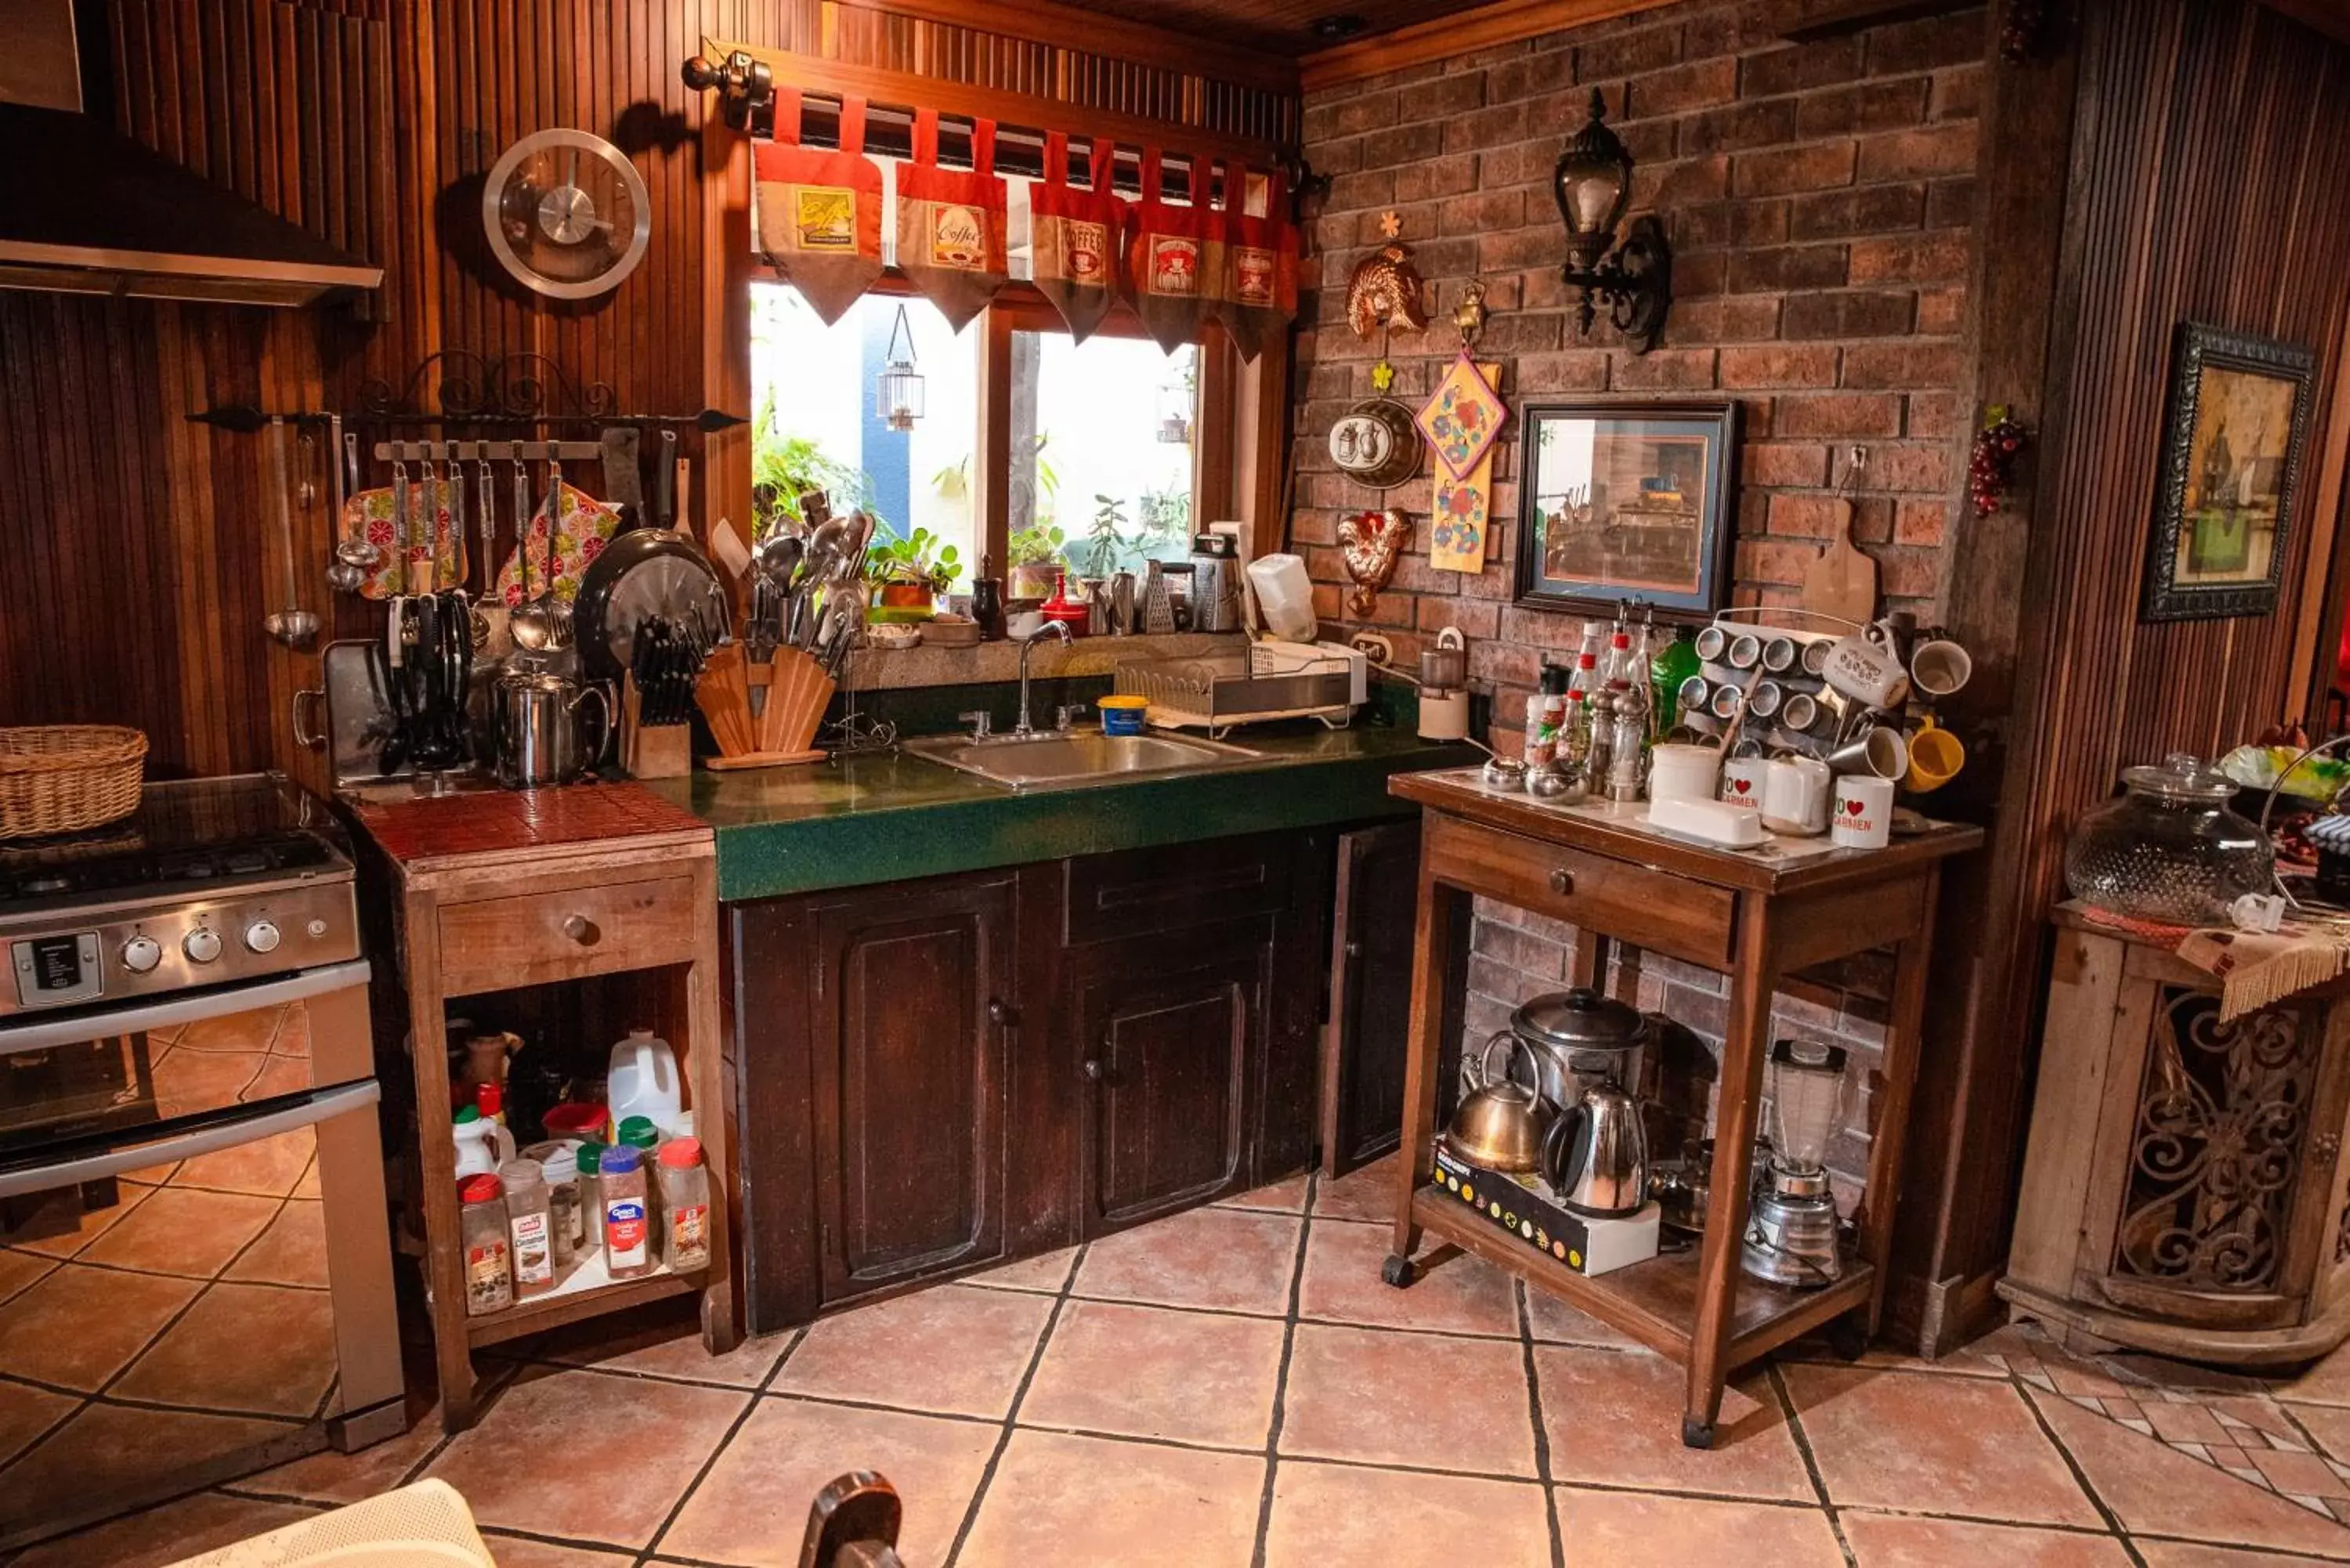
x: 1218, y: 692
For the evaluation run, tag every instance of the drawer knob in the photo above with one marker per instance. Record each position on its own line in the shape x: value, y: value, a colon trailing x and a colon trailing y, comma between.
x: 1093, y: 1071
x: 583, y: 930
x: 1562, y: 881
x: 1001, y: 1013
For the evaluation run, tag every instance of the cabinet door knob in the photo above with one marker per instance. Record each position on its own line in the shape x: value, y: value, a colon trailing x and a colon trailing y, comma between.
x: 1354, y: 950
x: 1093, y: 1070
x: 1562, y: 881
x: 1000, y: 1014
x: 583, y: 930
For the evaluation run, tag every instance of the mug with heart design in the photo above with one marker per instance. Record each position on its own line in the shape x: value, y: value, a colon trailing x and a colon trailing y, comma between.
x: 1742, y: 782
x: 1866, y: 667
x: 1863, y: 815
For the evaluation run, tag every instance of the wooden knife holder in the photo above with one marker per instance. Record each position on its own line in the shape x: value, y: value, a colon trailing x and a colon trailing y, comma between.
x: 773, y: 734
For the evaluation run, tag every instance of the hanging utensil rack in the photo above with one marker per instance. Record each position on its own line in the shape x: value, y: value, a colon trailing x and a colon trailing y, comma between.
x: 486, y: 451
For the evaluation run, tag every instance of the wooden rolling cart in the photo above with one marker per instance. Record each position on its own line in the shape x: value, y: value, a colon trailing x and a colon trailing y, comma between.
x: 1749, y: 916
x: 496, y: 892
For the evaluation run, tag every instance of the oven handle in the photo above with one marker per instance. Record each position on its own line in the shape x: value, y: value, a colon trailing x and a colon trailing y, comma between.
x: 321, y: 1106
x: 45, y: 1034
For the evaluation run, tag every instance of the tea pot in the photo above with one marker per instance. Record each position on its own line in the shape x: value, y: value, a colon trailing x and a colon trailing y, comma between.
x: 534, y: 725
x: 1501, y: 1124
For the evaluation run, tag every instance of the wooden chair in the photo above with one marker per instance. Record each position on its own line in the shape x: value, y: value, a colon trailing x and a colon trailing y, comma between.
x: 853, y: 1523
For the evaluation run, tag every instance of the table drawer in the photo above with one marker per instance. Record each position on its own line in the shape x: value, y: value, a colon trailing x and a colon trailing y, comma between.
x: 491, y: 944
x: 1651, y: 909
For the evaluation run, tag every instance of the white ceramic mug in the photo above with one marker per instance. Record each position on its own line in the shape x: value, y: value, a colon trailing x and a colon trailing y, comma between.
x: 1863, y: 815
x: 1939, y: 668
x: 1795, y: 796
x: 1864, y: 668
x: 1678, y: 772
x: 1742, y: 782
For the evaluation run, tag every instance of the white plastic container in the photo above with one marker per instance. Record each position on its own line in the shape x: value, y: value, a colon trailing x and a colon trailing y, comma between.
x: 644, y: 1083
x: 1285, y: 596
x: 482, y: 1144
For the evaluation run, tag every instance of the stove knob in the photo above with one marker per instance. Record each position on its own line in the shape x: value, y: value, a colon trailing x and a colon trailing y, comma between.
x: 262, y: 937
x: 201, y: 945
x: 141, y: 954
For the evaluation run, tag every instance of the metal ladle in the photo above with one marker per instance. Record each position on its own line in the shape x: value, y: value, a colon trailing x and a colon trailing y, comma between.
x: 293, y: 626
x: 345, y: 574
x: 532, y: 624
x: 355, y: 553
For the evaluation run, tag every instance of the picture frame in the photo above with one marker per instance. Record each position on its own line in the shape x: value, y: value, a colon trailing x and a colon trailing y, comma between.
x: 2234, y: 432
x: 1623, y: 501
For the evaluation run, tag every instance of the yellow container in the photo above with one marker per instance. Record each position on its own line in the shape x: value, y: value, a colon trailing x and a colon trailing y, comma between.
x: 1122, y: 715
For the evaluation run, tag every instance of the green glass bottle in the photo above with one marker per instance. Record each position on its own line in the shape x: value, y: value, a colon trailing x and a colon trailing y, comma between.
x: 1674, y: 663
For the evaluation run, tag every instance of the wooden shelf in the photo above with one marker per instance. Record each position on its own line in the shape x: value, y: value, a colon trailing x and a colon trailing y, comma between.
x: 1654, y: 1302
x: 587, y: 1290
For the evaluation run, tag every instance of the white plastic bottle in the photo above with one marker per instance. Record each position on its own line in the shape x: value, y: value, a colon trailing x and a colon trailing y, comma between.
x: 644, y: 1083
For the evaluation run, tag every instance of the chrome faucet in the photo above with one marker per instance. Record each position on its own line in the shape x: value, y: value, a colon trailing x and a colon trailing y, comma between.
x: 1027, y: 646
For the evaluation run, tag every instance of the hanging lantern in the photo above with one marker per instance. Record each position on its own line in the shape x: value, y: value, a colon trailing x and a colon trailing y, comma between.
x: 1175, y: 414
x: 897, y: 392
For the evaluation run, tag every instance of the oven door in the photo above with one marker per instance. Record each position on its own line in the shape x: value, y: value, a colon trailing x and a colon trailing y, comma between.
x: 195, y: 1267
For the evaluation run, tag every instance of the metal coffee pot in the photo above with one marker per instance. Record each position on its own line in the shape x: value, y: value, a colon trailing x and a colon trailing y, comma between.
x: 535, y: 723
x: 1595, y: 1155
x: 1576, y: 1037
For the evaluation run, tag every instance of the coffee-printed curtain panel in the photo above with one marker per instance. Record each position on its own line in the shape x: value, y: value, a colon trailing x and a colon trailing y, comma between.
x: 1166, y: 259
x: 950, y: 223
x: 819, y: 213
x: 1075, y: 236
x: 1256, y: 298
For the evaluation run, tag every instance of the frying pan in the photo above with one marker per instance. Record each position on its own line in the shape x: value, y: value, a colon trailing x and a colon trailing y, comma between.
x: 644, y: 572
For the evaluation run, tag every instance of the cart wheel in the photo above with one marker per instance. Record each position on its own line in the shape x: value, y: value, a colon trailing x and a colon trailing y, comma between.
x: 1696, y: 1434
x: 1397, y: 1272
x: 1848, y: 1337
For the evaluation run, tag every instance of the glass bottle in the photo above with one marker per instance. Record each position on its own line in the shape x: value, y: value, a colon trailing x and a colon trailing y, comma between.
x: 1673, y: 664
x: 482, y: 1234
x: 685, y: 1206
x: 530, y: 1227
x: 1545, y: 712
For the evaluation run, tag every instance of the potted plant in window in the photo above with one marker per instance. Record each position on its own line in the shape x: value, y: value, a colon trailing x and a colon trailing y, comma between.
x: 908, y: 575
x: 1035, y: 561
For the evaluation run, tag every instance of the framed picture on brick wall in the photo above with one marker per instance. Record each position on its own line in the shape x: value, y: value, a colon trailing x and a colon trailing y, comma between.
x: 1627, y: 501
x: 2231, y: 452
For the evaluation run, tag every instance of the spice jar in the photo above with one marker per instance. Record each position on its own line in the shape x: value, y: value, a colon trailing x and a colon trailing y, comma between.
x: 481, y: 1233
x: 685, y: 1206
x: 628, y: 1214
x: 530, y: 1225
x: 558, y: 1167
x: 591, y: 1197
x: 2169, y: 849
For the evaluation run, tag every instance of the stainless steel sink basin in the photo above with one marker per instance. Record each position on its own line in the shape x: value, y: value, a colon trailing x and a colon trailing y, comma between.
x: 1058, y: 761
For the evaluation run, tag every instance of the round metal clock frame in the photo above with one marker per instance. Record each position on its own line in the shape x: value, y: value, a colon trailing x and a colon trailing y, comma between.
x: 566, y: 214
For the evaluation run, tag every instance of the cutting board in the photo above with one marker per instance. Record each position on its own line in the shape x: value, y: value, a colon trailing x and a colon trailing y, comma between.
x: 1842, y: 581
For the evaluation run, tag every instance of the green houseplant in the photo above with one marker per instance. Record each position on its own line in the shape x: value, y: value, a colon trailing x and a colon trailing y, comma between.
x: 1036, y: 561
x: 912, y: 571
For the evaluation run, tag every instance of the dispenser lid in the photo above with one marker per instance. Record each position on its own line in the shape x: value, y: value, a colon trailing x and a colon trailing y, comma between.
x: 1808, y: 1057
x: 1580, y: 1019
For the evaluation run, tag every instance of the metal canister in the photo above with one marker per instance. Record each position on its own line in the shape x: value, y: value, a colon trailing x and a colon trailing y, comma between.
x: 1214, y: 583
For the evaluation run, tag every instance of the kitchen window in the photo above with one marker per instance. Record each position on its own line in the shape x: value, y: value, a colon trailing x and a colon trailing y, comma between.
x: 1102, y: 437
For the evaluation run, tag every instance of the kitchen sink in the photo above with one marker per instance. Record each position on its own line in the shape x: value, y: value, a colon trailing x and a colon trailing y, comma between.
x: 1068, y: 760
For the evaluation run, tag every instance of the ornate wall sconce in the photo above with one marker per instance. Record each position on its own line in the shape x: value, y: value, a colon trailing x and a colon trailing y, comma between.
x: 1593, y: 180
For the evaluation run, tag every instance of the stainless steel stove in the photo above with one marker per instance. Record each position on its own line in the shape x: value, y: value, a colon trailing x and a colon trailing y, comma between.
x: 211, y: 881
x: 188, y: 1094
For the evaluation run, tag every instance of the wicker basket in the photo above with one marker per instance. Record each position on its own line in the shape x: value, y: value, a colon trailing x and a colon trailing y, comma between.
x: 67, y: 778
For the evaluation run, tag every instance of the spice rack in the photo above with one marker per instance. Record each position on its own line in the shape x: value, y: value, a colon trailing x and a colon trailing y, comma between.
x: 600, y: 886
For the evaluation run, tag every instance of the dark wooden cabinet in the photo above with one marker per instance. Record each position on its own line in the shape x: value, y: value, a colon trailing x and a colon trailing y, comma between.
x: 909, y: 1015
x: 1366, y: 1036
x: 1169, y: 1034
x: 935, y: 1076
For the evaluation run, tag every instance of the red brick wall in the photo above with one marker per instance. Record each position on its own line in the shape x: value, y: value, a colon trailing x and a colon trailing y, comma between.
x: 1818, y: 197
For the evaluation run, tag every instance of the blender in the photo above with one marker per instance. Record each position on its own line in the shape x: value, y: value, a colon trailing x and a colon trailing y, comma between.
x: 1791, y: 1234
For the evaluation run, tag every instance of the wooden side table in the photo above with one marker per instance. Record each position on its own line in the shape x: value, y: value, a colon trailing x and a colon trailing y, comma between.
x: 2184, y: 1190
x: 495, y: 892
x: 1751, y: 917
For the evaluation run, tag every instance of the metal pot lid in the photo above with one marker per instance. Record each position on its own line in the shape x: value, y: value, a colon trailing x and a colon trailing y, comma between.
x: 1580, y: 1019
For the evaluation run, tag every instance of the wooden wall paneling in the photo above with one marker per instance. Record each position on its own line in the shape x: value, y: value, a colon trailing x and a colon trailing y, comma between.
x: 2317, y: 636
x: 2208, y: 159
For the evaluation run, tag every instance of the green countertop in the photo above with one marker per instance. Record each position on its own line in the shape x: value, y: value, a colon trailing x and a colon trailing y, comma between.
x: 883, y: 817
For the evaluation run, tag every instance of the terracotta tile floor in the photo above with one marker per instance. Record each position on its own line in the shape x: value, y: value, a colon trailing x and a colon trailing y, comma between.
x: 1234, y: 1386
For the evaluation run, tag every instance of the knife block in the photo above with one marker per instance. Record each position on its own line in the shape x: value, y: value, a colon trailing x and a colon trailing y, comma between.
x: 651, y: 751
x: 780, y: 732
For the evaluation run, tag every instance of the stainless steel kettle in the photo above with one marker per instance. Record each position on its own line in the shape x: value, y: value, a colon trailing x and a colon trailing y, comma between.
x: 536, y: 721
x: 1596, y: 1155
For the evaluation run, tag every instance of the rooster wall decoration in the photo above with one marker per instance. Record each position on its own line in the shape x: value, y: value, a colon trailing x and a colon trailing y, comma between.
x: 1372, y: 542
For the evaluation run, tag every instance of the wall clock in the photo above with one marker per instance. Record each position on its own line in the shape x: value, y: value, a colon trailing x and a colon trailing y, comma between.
x: 566, y: 214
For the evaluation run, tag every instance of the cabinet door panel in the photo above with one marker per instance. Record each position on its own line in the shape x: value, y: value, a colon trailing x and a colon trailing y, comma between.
x: 1170, y: 1039
x: 1365, y: 1044
x: 909, y: 1080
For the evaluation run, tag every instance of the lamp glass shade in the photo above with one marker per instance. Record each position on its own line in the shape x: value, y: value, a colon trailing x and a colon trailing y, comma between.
x: 1593, y: 184
x: 898, y: 395
x: 1592, y: 199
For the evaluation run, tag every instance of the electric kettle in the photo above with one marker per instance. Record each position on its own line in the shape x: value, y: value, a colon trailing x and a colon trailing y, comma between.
x: 1596, y: 1155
